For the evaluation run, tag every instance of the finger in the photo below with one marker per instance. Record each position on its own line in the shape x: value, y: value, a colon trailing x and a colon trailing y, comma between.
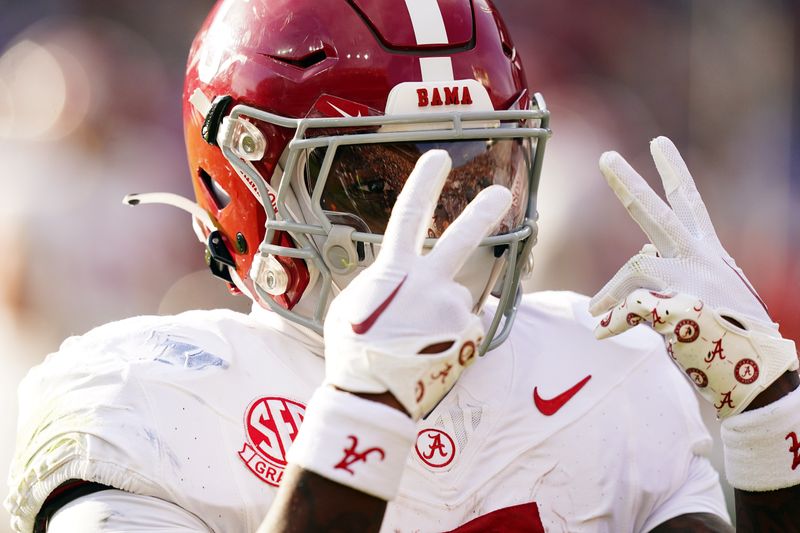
x: 639, y: 272
x: 641, y: 305
x: 655, y: 218
x: 413, y: 210
x: 479, y: 218
x: 649, y: 249
x: 680, y: 189
x: 661, y: 310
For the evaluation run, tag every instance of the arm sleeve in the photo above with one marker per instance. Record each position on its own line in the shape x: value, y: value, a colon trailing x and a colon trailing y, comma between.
x: 701, y: 493
x: 115, y: 511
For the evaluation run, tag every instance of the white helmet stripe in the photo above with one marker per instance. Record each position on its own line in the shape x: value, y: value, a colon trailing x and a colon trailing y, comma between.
x: 428, y: 24
x: 427, y: 20
x: 436, y: 68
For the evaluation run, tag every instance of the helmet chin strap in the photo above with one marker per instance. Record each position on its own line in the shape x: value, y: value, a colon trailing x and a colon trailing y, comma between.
x: 494, y: 276
x: 236, y: 280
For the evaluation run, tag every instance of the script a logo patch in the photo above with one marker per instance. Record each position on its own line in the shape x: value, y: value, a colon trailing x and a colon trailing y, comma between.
x: 271, y: 425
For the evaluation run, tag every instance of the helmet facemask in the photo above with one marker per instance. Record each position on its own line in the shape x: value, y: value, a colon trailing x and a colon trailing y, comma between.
x: 344, y: 173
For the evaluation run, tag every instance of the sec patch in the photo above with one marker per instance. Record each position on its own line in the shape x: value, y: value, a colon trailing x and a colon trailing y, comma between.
x: 271, y: 424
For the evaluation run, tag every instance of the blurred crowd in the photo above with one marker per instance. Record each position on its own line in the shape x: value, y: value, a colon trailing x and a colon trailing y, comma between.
x: 90, y: 110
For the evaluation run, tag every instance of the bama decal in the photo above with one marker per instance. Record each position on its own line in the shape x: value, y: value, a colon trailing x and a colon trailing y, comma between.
x: 271, y: 425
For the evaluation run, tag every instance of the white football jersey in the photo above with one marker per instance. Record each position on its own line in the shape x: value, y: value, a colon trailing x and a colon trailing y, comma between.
x: 553, y: 431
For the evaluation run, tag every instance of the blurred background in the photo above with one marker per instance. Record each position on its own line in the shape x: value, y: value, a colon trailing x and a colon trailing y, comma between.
x: 90, y: 110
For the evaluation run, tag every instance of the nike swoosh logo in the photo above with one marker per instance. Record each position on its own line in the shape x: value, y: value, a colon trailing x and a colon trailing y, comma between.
x: 363, y: 327
x: 549, y: 407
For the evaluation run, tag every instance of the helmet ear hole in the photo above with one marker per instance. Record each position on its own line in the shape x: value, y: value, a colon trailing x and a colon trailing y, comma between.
x: 216, y: 193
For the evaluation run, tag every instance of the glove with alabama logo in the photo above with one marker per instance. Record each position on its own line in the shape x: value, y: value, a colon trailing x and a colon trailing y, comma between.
x: 687, y: 287
x: 403, y: 326
x: 407, y: 301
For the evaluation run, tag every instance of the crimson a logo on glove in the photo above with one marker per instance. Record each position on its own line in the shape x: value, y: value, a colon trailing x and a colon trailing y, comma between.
x: 633, y: 319
x: 698, y: 376
x: 746, y: 371
x: 687, y: 330
x: 271, y: 424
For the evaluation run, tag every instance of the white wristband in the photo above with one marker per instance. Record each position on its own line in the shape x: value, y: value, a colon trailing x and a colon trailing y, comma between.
x: 762, y: 446
x: 354, y: 442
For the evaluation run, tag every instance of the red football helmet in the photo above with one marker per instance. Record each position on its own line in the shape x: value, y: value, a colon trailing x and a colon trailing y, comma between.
x: 304, y: 118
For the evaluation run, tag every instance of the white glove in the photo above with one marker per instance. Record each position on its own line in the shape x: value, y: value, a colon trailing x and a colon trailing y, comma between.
x: 716, y: 326
x: 405, y: 301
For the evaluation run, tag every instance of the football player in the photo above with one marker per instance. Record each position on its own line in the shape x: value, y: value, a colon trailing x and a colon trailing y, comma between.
x: 366, y: 173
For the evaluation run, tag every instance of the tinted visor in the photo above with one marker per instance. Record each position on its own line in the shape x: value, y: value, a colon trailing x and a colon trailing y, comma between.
x: 364, y: 180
